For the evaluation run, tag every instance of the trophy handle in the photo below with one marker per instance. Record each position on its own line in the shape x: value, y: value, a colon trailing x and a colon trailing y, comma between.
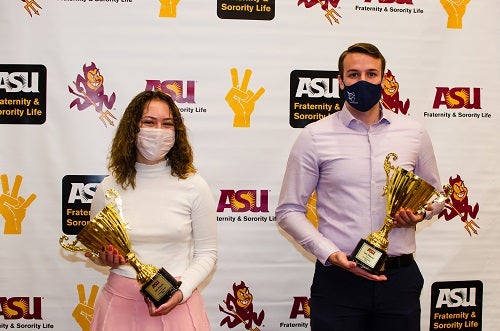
x: 447, y: 190
x: 388, y: 167
x: 443, y: 196
x: 113, y: 194
x: 72, y: 247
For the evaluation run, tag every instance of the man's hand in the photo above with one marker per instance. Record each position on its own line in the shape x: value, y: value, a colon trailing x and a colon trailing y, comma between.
x: 406, y: 218
x: 340, y: 259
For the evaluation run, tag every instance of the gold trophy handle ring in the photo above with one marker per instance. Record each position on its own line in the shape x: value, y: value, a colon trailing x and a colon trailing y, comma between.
x: 447, y: 191
x: 72, y: 247
x: 388, y: 167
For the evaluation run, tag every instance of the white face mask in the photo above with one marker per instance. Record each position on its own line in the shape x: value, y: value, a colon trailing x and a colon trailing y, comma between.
x: 154, y: 144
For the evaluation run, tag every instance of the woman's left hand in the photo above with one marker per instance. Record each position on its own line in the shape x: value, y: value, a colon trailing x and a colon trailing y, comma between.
x: 167, y: 306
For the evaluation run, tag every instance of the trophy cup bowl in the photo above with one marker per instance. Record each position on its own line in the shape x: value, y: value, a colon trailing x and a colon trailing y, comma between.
x: 403, y: 189
x: 107, y: 228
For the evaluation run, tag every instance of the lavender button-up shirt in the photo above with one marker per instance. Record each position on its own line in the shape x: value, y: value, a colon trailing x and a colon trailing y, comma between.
x: 343, y: 160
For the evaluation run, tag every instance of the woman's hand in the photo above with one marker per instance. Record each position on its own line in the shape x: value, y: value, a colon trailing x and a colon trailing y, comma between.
x: 167, y: 306
x: 108, y: 257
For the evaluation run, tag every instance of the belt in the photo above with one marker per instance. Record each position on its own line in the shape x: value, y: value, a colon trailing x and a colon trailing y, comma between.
x: 394, y: 262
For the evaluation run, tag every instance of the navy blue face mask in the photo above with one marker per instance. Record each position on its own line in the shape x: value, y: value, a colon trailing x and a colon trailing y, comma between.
x: 362, y: 95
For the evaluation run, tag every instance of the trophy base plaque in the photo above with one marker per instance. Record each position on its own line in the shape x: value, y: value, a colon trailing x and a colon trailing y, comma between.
x: 160, y: 288
x: 368, y: 257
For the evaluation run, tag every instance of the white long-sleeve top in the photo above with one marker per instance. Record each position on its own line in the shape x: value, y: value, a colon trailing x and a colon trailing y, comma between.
x: 171, y: 223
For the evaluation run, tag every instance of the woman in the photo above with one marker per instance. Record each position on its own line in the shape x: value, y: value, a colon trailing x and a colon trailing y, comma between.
x: 171, y: 220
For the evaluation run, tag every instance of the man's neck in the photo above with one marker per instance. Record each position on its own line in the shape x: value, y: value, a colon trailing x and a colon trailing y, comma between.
x: 369, y: 117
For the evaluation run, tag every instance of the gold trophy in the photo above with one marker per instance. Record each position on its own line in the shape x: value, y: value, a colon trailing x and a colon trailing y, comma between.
x: 107, y: 228
x: 403, y: 189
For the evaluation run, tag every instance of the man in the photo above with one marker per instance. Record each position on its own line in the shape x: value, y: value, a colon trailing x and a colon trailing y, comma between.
x: 341, y: 157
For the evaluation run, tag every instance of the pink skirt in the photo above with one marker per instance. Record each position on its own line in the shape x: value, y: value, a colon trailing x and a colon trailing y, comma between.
x: 120, y: 306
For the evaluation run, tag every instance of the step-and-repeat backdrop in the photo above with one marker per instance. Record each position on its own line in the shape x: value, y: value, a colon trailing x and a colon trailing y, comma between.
x: 248, y: 75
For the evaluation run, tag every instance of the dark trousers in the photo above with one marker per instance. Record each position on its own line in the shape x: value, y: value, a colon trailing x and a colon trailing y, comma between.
x: 342, y: 301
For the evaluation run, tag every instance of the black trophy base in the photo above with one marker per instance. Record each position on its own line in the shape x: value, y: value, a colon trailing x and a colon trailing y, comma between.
x: 368, y: 257
x: 160, y: 288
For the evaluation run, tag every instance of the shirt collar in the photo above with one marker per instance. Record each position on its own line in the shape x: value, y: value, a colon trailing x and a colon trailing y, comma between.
x: 347, y: 119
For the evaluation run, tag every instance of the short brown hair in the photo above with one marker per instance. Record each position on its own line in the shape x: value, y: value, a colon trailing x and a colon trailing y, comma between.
x: 364, y: 48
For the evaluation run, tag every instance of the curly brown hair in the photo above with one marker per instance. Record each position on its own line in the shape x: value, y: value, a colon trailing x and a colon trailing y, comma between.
x: 123, y: 153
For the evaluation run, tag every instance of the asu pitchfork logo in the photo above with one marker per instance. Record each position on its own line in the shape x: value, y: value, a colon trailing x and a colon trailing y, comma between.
x: 331, y: 14
x: 31, y: 6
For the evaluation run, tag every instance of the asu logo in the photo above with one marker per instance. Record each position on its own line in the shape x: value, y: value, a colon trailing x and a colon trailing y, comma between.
x: 246, y: 10
x: 12, y: 206
x: 23, y: 93
x: 456, y: 297
x: 244, y: 201
x: 238, y: 307
x: 331, y: 14
x: 180, y: 91
x: 25, y: 81
x: 89, y: 91
x: 390, y: 95
x: 314, y: 94
x: 15, y: 308
x: 300, y: 307
x: 456, y: 305
x: 459, y: 206
x: 399, y: 2
x: 456, y: 11
x: 77, y: 194
x: 457, y: 97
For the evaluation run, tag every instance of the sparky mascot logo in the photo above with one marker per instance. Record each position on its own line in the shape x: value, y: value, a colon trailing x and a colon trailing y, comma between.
x: 459, y: 206
x: 12, y: 206
x: 331, y: 14
x: 239, y: 309
x: 390, y: 95
x: 89, y: 91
